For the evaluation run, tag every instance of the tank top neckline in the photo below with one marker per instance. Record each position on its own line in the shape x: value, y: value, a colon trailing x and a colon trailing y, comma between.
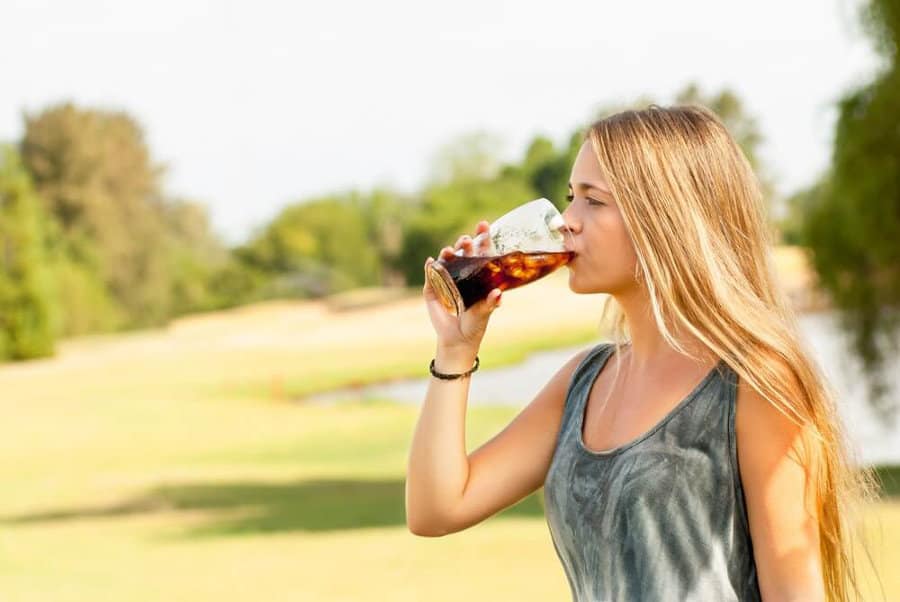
x: 585, y: 395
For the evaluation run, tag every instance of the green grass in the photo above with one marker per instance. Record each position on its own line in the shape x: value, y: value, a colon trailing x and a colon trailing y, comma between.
x: 889, y: 478
x: 243, y: 501
x: 178, y: 466
x: 247, y: 501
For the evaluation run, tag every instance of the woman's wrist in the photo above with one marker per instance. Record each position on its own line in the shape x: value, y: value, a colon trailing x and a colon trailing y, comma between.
x: 454, y: 360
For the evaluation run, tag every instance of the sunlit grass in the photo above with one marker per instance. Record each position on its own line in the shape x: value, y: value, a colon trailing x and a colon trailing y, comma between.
x: 242, y: 501
x: 180, y: 465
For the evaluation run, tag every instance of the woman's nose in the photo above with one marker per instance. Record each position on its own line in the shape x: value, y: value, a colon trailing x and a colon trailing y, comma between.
x: 568, y: 231
x: 570, y: 223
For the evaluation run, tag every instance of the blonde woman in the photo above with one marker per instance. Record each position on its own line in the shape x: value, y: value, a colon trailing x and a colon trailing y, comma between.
x: 699, y: 455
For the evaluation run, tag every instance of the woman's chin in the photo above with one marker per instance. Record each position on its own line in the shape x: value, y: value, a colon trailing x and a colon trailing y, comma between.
x: 574, y: 286
x: 580, y: 288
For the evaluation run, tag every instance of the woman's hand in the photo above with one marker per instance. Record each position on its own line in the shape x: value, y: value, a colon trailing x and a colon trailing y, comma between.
x: 463, y: 333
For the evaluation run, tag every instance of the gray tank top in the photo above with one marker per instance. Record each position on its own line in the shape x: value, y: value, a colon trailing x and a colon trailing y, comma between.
x: 660, y: 518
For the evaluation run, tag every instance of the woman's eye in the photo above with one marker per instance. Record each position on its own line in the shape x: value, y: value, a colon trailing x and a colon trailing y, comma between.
x: 571, y: 197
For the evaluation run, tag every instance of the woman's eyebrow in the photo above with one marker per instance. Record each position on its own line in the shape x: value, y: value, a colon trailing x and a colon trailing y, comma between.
x: 588, y: 185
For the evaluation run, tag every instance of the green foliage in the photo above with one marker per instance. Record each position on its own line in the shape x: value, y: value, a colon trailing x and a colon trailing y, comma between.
x: 547, y: 168
x: 470, y: 182
x: 793, y: 224
x: 195, y: 259
x: 449, y: 210
x: 852, y: 218
x: 384, y: 213
x: 316, y: 247
x: 26, y: 295
x: 122, y: 255
x: 881, y: 20
x: 469, y: 156
x: 94, y: 173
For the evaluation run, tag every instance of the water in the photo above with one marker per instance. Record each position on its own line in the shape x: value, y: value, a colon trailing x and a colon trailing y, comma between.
x: 877, y: 438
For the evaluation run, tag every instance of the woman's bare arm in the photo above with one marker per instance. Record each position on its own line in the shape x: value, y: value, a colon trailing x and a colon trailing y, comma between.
x: 448, y: 490
x: 780, y: 503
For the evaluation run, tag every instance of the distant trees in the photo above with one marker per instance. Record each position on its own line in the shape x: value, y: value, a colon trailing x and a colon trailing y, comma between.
x: 320, y: 246
x: 447, y: 209
x: 93, y: 243
x: 114, y: 251
x: 851, y: 218
x: 94, y: 174
x: 26, y: 296
x: 87, y: 244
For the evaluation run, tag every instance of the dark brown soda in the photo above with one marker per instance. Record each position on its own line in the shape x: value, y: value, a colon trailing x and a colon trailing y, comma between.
x: 476, y: 277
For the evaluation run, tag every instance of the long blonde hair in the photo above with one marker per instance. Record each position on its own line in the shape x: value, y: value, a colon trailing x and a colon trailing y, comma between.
x: 693, y: 208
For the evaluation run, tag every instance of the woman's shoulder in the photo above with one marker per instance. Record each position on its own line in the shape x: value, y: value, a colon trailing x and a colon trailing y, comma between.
x: 584, y: 356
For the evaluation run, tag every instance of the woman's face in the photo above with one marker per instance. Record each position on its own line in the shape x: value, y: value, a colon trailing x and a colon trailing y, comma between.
x: 604, y: 256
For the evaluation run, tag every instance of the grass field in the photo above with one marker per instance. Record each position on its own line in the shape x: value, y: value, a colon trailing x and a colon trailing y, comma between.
x: 179, y: 465
x: 248, y: 501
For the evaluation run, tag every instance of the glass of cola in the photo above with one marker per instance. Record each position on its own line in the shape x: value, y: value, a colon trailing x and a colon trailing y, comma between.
x: 521, y: 246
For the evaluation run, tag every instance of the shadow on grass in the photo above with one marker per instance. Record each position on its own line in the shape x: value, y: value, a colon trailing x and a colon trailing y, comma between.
x: 260, y: 507
x: 889, y: 477
x: 309, y: 505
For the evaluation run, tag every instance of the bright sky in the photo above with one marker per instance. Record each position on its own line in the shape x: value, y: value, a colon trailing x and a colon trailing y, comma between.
x: 253, y: 105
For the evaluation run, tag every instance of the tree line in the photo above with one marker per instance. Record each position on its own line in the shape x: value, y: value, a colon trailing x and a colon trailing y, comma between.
x: 91, y: 242
x: 849, y: 219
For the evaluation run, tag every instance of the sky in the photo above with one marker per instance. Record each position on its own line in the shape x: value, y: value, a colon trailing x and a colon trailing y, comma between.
x: 255, y: 105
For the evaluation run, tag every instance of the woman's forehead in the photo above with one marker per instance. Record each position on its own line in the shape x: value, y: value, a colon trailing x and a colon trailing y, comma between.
x: 586, y: 174
x: 587, y: 168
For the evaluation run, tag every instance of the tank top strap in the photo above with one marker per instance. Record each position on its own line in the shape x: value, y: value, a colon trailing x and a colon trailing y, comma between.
x: 582, y: 378
x: 587, y: 369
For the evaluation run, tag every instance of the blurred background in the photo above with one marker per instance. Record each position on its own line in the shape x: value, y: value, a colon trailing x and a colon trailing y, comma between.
x: 213, y: 222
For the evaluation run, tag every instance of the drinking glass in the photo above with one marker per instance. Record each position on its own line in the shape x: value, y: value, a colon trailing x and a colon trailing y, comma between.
x: 520, y: 247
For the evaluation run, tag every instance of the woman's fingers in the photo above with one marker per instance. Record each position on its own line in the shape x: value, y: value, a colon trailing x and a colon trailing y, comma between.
x: 483, y: 227
x: 465, y: 243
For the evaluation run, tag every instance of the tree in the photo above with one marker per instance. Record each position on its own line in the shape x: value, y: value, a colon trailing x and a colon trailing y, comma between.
x: 195, y: 258
x: 547, y: 168
x: 470, y: 156
x: 852, y: 218
x: 93, y: 171
x: 315, y: 247
x: 474, y: 188
x: 384, y: 212
x: 448, y: 210
x: 26, y: 295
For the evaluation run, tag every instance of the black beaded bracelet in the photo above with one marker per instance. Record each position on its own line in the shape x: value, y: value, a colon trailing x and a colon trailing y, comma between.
x: 452, y: 376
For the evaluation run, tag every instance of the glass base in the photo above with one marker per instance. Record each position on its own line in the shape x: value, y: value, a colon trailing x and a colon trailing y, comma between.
x: 445, y: 289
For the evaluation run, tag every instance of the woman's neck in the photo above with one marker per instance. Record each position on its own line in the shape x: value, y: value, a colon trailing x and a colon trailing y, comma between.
x: 647, y: 346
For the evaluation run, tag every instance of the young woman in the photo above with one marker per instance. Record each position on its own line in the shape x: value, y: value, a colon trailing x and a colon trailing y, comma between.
x: 699, y: 455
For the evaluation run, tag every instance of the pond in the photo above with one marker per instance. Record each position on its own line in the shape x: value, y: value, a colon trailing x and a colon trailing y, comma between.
x: 878, y: 437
